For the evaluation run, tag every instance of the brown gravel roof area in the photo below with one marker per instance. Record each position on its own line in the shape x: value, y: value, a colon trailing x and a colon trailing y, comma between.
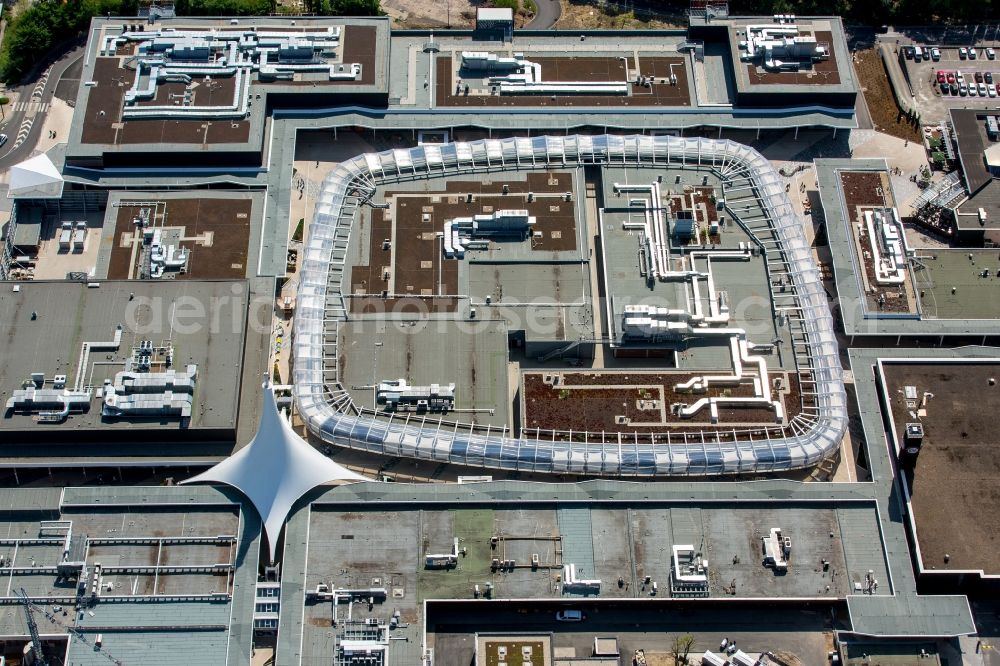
x: 584, y: 68
x: 822, y: 73
x: 103, y: 124
x: 861, y: 188
x: 420, y: 269
x: 358, y: 46
x: 228, y: 220
x: 207, y: 91
x: 561, y: 408
x: 870, y: 189
x: 956, y: 483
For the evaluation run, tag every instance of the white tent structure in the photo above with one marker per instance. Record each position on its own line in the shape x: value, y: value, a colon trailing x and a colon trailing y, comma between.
x: 275, y: 469
x: 35, y: 178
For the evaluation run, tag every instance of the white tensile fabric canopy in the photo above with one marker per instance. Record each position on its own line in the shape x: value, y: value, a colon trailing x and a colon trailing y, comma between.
x: 275, y: 469
x: 35, y: 178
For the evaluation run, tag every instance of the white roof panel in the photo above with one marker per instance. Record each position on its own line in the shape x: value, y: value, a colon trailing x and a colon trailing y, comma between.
x: 35, y: 178
x: 275, y: 469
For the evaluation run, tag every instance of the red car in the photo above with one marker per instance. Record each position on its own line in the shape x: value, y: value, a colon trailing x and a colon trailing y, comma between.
x: 940, y: 76
x: 951, y: 77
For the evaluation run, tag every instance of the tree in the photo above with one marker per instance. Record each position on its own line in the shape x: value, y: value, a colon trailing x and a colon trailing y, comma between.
x: 681, y: 647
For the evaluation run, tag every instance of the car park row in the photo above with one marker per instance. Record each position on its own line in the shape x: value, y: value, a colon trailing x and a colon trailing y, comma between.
x: 954, y: 83
x: 918, y: 53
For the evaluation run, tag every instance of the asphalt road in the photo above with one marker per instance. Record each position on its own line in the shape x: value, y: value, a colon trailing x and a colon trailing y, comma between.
x: 548, y: 14
x: 23, y: 123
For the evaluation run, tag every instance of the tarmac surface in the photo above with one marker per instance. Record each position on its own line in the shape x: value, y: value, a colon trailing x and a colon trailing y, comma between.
x: 24, y: 123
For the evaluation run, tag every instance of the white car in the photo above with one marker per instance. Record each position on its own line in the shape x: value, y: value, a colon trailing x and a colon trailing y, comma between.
x: 991, y: 54
x: 982, y: 89
x: 963, y: 53
x: 972, y: 90
x: 569, y: 616
x: 991, y: 90
x: 935, y: 54
x: 972, y: 53
x: 959, y: 77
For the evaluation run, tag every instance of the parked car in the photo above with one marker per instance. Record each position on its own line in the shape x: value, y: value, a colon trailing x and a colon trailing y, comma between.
x: 569, y: 616
x: 982, y: 90
x: 940, y: 76
x: 991, y: 54
x: 972, y: 53
x: 988, y: 77
x: 951, y: 77
x: 954, y: 88
x: 991, y: 90
x: 963, y: 53
x: 997, y: 86
x: 959, y: 76
x: 963, y: 90
x: 979, y: 77
x: 908, y: 52
x: 935, y: 54
x: 3, y: 139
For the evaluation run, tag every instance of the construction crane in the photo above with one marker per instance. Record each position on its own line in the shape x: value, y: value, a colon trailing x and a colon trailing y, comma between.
x: 30, y: 607
x: 36, y: 642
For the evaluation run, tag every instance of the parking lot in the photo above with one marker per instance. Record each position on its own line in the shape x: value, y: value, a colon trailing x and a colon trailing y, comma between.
x: 932, y: 102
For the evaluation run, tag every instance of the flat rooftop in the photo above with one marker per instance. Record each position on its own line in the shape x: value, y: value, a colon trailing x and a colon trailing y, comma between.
x: 49, y: 322
x: 430, y: 318
x: 178, y: 571
x: 451, y: 79
x: 956, y: 479
x: 385, y: 545
x: 969, y: 126
x: 959, y: 284
x: 744, y: 280
x: 474, y: 358
x: 603, y: 543
x: 388, y: 81
x: 538, y: 290
x: 384, y: 278
x: 216, y: 107
x: 857, y: 653
x: 215, y: 229
x: 947, y: 291
x: 833, y: 74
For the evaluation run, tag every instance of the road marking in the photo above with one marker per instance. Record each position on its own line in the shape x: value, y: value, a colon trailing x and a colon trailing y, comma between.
x: 22, y: 133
